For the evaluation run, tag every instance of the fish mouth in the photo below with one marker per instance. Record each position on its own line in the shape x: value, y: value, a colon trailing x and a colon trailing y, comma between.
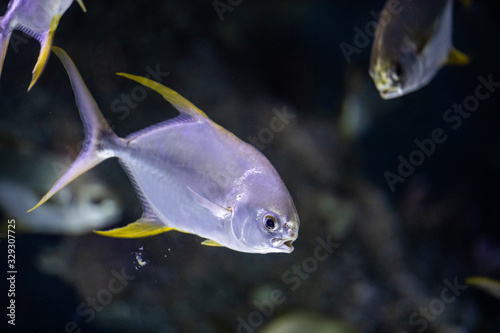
x: 387, y: 86
x: 283, y: 244
x: 390, y: 93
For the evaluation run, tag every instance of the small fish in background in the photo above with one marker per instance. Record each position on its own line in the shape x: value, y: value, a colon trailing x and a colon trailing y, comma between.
x: 488, y: 285
x: 78, y: 209
x: 36, y: 18
x: 190, y: 174
x: 412, y: 42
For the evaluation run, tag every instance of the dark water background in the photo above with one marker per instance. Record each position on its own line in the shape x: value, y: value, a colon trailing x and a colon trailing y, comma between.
x: 395, y: 251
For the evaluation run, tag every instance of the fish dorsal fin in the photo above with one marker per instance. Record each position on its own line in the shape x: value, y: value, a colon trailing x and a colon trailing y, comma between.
x: 216, y: 209
x: 457, y: 58
x: 144, y: 227
x: 180, y: 103
x: 209, y: 242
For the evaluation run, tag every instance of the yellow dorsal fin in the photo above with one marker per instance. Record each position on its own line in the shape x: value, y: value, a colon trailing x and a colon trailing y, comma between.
x: 457, y: 58
x: 209, y: 242
x: 140, y: 228
x: 174, y: 98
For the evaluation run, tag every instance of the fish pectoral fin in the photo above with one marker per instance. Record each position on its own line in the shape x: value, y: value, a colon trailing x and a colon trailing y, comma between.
x: 457, y: 57
x: 45, y: 45
x: 216, y: 209
x: 426, y: 36
x: 141, y: 228
x: 209, y: 242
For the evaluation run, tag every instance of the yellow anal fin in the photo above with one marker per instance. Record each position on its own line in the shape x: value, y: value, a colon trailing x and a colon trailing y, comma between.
x: 209, y: 242
x: 137, y: 229
x: 45, y: 45
x: 457, y: 58
x: 80, y: 2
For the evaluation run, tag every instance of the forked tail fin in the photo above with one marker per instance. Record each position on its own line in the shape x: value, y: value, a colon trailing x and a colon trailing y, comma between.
x: 98, y: 135
x: 45, y: 45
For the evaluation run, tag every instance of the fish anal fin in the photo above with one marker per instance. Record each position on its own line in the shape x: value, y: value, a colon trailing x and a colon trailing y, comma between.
x: 209, y: 242
x: 180, y: 103
x: 141, y: 228
x: 45, y: 45
x: 457, y: 57
x: 426, y: 37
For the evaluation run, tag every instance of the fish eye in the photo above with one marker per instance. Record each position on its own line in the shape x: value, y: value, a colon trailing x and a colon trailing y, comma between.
x: 270, y: 222
x: 96, y: 201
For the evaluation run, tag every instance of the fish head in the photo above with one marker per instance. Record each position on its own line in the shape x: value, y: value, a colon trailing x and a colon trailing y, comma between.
x: 388, y: 77
x: 397, y: 75
x: 266, y: 222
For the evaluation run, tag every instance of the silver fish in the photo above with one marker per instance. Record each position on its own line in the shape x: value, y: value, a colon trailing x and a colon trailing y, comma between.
x: 412, y: 42
x: 190, y: 174
x: 37, y: 18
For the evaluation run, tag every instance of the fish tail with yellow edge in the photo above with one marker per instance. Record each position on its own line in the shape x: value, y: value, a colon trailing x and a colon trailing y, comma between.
x: 45, y: 45
x: 100, y: 140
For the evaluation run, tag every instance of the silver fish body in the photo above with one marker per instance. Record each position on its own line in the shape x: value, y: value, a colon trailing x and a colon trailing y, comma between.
x: 412, y: 42
x: 191, y: 175
x: 37, y: 18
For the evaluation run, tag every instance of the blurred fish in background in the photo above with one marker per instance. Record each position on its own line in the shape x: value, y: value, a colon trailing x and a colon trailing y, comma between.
x: 85, y: 205
x: 36, y: 18
x: 412, y: 42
